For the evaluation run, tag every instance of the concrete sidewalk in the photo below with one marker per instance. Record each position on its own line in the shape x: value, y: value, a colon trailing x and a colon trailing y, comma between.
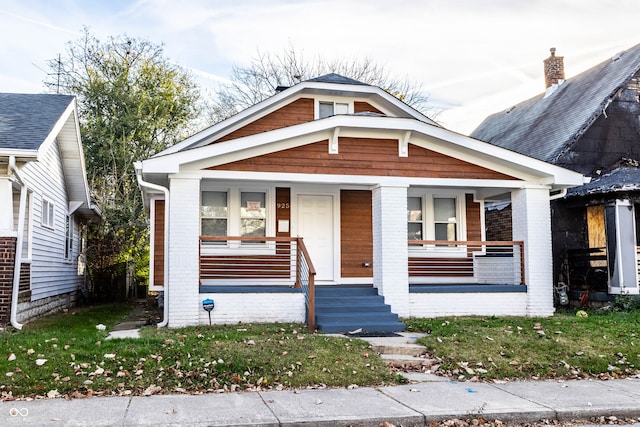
x: 407, y: 405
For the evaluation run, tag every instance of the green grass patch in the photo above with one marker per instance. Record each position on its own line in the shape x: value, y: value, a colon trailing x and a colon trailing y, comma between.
x: 66, y: 354
x: 604, y: 345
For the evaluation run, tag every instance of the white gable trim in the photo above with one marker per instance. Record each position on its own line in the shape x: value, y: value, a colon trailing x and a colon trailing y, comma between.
x: 424, y: 135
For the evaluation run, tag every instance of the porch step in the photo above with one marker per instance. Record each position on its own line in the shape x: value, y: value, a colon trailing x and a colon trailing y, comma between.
x: 351, y: 308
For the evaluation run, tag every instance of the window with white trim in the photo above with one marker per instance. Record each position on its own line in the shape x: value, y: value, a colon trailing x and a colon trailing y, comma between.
x: 48, y: 210
x: 435, y: 216
x: 330, y: 108
x: 68, y: 246
x: 234, y: 212
x: 214, y: 213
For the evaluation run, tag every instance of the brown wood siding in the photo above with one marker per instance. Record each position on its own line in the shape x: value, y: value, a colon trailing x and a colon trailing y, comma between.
x: 365, y: 107
x: 356, y: 233
x: 364, y: 156
x: 299, y: 111
x: 283, y: 213
x: 474, y: 225
x: 158, y: 244
x: 245, y: 267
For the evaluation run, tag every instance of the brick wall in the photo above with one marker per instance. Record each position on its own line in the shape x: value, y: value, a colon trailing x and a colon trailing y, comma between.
x: 258, y: 308
x: 498, y: 224
x: 553, y: 68
x: 7, y: 259
x: 390, y: 251
x: 468, y: 304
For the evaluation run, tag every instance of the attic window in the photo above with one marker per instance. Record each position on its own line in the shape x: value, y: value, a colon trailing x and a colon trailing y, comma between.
x: 328, y: 109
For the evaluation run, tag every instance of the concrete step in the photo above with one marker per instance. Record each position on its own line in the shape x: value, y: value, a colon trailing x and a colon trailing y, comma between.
x: 343, y: 327
x: 414, y: 350
x: 346, y: 307
x: 404, y: 360
x: 364, y: 317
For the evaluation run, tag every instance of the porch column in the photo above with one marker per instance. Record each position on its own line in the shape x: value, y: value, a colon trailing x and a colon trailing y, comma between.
x: 390, y: 248
x: 6, y: 213
x: 531, y: 218
x: 184, y: 230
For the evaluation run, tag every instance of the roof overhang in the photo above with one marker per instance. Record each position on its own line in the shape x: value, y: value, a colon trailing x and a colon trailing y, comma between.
x: 524, y: 169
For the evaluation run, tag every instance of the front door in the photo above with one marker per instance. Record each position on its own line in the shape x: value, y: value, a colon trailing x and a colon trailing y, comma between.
x: 315, y: 226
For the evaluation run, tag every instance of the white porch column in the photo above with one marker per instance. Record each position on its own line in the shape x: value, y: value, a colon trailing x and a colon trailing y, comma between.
x: 390, y: 248
x: 184, y: 232
x: 532, y: 224
x: 6, y: 213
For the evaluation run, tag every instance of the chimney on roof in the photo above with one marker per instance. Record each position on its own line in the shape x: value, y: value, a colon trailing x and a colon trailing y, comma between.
x: 553, y: 69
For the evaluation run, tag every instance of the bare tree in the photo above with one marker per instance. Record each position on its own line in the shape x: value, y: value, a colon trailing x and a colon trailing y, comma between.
x: 267, y: 71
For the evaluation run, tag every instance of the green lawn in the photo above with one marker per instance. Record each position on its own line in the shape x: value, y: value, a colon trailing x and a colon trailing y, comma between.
x: 65, y: 354
x: 604, y: 345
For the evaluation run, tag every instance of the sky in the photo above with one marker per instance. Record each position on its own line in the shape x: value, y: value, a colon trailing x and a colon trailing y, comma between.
x: 472, y: 58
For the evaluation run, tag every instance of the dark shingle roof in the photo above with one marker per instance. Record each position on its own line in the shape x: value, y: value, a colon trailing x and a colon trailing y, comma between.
x: 27, y: 119
x: 336, y: 78
x: 544, y: 127
x: 619, y: 180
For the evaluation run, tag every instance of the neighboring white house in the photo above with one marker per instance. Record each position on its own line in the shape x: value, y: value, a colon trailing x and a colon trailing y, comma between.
x: 44, y: 199
x: 380, y: 194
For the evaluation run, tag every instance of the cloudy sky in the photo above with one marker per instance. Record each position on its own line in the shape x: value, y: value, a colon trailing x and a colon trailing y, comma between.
x: 472, y: 57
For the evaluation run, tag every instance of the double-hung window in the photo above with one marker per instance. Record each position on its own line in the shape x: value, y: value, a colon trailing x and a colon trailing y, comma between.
x: 234, y: 212
x: 434, y: 216
x: 48, y: 210
x: 68, y: 246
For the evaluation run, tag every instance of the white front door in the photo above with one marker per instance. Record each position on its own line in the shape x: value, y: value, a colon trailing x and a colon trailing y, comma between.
x: 315, y: 226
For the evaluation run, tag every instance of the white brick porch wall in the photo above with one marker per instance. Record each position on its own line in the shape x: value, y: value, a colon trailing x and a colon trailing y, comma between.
x: 184, y: 231
x: 390, y: 249
x: 468, y: 304
x: 532, y: 224
x: 254, y: 307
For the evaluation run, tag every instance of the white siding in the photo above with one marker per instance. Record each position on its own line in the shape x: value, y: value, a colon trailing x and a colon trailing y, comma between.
x: 50, y: 274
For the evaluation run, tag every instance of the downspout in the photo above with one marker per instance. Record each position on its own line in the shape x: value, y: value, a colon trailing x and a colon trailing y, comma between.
x: 19, y: 240
x: 142, y: 183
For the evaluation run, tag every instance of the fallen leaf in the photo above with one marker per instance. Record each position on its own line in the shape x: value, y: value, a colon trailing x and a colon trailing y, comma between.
x: 51, y: 394
x: 11, y: 357
x: 41, y: 362
x: 30, y: 351
x: 152, y: 389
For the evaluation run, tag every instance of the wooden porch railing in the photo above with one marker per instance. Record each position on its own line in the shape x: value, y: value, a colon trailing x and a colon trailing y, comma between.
x: 269, y: 260
x: 485, y: 261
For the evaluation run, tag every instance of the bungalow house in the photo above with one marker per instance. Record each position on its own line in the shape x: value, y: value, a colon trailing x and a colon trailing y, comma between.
x: 45, y: 199
x: 334, y: 202
x: 590, y: 124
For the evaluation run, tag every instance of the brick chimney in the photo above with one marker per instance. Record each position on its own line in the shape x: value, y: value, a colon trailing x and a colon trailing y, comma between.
x: 553, y: 69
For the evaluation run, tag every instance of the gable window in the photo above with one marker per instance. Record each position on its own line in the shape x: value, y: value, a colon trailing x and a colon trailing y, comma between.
x: 327, y: 109
x: 68, y: 246
x: 434, y: 216
x: 48, y: 210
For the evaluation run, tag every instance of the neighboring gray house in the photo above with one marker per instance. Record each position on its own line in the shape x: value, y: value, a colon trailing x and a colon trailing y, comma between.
x: 44, y: 197
x: 589, y: 123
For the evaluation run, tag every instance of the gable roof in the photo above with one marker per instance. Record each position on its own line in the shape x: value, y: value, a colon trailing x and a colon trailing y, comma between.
x: 544, y: 127
x: 30, y: 123
x: 622, y: 179
x: 337, y: 78
x: 26, y: 120
x: 327, y: 85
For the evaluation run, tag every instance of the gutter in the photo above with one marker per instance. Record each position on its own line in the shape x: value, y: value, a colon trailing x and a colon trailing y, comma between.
x: 144, y: 184
x: 558, y: 195
x: 19, y: 240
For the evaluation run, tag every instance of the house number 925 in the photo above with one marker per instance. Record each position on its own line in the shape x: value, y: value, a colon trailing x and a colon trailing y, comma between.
x: 282, y: 205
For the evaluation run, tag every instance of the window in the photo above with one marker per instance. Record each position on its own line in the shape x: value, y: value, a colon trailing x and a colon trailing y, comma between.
x: 327, y: 109
x: 47, y: 213
x: 414, y: 217
x: 214, y: 213
x: 445, y: 218
x: 253, y: 214
x: 234, y: 212
x: 434, y: 217
x: 68, y: 247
